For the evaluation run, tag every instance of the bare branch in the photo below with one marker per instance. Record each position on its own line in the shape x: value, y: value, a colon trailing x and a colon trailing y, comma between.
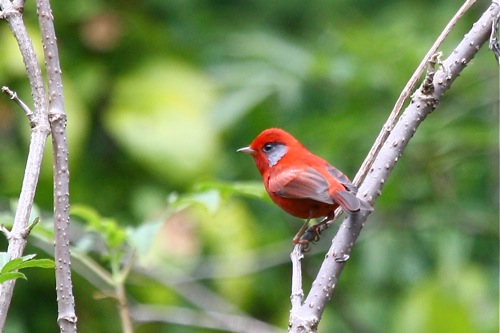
x: 410, y: 85
x: 297, y: 292
x: 424, y: 101
x: 13, y: 96
x: 12, y: 13
x: 57, y: 119
x: 121, y: 296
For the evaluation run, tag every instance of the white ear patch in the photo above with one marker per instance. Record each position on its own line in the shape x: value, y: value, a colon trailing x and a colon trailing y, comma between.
x: 275, y: 153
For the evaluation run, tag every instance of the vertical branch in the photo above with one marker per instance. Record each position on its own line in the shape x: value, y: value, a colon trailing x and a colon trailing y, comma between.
x: 121, y: 296
x: 12, y: 13
x: 57, y: 119
x: 297, y: 295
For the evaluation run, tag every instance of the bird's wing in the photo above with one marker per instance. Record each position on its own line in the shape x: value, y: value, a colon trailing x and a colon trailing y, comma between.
x: 310, y: 184
x: 300, y: 184
x: 347, y: 199
x: 341, y: 178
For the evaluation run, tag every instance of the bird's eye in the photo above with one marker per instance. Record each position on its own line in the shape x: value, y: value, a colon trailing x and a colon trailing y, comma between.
x: 267, y: 147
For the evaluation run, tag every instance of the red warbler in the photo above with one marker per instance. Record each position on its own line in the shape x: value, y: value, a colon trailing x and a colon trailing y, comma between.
x: 301, y: 183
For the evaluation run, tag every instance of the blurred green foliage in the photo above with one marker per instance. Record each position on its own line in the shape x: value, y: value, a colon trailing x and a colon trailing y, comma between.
x: 160, y: 94
x: 10, y: 268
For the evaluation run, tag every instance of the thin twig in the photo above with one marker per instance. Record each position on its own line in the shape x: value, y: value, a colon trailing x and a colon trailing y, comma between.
x: 26, y: 109
x: 405, y: 93
x: 409, y: 87
x: 126, y: 320
x: 5, y: 231
x: 391, y: 120
x: 121, y: 295
x: 30, y: 227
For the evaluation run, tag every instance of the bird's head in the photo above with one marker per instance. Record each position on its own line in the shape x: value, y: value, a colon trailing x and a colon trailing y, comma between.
x: 269, y: 147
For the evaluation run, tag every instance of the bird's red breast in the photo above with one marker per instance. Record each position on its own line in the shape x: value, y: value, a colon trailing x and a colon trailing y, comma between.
x: 301, y: 183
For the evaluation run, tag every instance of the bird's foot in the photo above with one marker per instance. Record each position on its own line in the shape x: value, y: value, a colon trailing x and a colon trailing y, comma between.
x: 313, y: 233
x: 304, y: 238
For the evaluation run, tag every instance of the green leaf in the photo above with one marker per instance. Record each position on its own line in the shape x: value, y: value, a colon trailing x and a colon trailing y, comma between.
x: 15, y: 263
x: 39, y: 263
x: 114, y: 235
x: 87, y: 214
x: 25, y: 262
x: 11, y: 276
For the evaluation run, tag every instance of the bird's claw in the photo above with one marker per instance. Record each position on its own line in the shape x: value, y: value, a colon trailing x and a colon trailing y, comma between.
x: 312, y: 234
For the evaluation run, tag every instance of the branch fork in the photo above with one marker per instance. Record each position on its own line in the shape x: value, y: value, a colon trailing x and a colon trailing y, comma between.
x: 23, y: 234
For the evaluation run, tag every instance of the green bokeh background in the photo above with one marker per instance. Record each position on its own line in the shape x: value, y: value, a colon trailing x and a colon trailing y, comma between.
x: 160, y: 94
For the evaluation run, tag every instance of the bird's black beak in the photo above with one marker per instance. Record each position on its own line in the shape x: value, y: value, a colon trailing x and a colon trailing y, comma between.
x: 246, y: 150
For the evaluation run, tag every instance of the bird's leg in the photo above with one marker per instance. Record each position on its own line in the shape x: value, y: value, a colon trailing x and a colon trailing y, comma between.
x: 313, y: 233
x: 298, y: 237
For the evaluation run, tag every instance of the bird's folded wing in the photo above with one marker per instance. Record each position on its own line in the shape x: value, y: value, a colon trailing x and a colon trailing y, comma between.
x: 341, y: 178
x: 347, y: 199
x: 300, y: 184
x: 310, y: 184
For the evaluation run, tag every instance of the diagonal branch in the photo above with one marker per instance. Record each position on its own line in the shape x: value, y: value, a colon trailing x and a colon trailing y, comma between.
x: 391, y: 120
x: 306, y: 317
x: 410, y: 85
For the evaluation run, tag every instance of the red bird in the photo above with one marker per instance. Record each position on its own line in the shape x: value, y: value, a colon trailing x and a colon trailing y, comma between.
x: 301, y: 183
